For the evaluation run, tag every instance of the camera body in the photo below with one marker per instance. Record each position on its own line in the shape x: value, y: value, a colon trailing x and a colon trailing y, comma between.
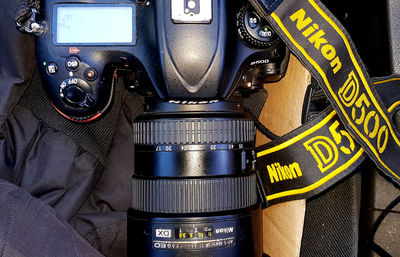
x: 200, y: 56
x: 194, y: 188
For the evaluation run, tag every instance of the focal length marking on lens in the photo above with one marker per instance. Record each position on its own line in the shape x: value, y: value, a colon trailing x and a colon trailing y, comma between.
x: 179, y: 148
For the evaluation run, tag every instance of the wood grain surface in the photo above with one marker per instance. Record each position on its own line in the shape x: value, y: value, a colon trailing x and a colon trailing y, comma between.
x: 283, y: 223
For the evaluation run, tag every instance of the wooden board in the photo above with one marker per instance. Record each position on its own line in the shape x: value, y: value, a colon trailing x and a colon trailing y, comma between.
x: 283, y: 223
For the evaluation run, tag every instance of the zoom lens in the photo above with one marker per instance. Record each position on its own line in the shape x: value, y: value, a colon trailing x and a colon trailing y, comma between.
x: 194, y: 189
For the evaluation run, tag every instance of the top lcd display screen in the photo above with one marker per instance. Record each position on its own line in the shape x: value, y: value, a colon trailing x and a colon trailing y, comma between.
x: 94, y: 24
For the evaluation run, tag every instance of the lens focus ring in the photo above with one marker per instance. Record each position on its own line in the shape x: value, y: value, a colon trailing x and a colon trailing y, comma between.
x: 188, y: 131
x: 194, y: 195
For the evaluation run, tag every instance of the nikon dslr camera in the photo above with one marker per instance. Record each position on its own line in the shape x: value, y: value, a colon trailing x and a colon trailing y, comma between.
x: 194, y: 188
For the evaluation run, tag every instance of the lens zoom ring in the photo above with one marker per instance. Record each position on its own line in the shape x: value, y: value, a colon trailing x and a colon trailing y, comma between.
x: 193, y: 131
x: 193, y: 195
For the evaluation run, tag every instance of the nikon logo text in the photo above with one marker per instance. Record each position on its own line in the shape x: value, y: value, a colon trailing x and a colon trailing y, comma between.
x: 224, y: 230
x: 315, y: 35
x: 277, y: 172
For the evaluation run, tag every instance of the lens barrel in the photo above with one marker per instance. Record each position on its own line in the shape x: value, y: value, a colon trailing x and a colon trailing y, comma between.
x: 194, y: 189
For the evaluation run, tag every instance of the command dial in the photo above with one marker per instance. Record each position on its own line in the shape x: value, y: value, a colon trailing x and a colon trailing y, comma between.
x: 255, y: 31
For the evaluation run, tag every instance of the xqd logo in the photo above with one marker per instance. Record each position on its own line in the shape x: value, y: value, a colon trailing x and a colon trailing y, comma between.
x: 163, y: 233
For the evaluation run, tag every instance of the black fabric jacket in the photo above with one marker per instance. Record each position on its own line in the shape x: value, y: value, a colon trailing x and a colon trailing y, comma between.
x: 64, y: 187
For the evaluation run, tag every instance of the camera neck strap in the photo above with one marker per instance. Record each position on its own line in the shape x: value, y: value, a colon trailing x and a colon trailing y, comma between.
x: 320, y: 153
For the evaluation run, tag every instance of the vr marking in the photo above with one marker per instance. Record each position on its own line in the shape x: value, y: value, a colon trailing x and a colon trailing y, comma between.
x: 278, y: 173
x: 316, y: 38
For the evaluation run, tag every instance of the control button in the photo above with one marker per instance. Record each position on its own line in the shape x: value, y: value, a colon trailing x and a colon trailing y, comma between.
x: 254, y: 20
x: 265, y: 32
x: 52, y: 68
x: 74, y: 94
x: 72, y: 63
x: 90, y: 74
x: 253, y: 29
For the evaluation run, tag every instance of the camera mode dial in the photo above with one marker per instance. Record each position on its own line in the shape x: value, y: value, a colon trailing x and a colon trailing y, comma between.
x: 76, y: 92
x: 253, y: 30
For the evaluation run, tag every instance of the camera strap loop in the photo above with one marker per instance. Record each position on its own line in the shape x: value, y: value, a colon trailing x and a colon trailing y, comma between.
x: 333, y: 145
x: 27, y: 17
